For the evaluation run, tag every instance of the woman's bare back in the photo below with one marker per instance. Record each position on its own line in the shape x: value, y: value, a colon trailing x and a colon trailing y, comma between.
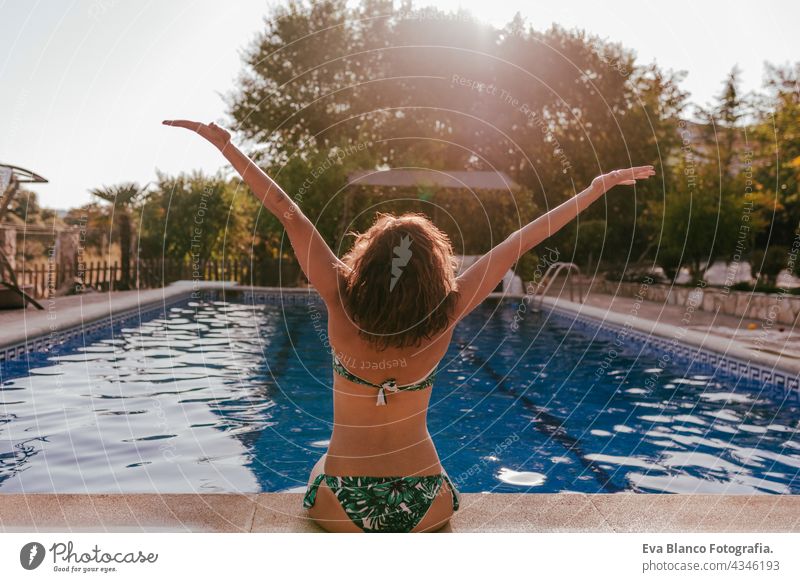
x: 381, y: 440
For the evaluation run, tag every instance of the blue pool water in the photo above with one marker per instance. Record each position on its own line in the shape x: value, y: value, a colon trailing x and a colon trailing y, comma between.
x: 214, y: 396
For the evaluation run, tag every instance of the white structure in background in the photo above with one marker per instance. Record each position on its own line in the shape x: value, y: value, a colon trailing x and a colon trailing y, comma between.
x: 719, y: 272
x: 512, y: 283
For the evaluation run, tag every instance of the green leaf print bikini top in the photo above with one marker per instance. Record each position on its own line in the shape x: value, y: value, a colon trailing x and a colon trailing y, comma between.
x: 389, y: 384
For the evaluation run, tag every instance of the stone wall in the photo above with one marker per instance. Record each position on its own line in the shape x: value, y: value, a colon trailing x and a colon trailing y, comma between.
x: 779, y: 308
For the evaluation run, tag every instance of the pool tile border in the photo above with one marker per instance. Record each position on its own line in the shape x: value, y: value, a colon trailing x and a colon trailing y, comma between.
x: 291, y: 298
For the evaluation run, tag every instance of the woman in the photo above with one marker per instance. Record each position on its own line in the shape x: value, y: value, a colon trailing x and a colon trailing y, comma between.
x: 393, y: 302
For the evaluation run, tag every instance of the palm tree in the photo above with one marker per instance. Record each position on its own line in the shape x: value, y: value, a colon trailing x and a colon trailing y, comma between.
x: 123, y: 197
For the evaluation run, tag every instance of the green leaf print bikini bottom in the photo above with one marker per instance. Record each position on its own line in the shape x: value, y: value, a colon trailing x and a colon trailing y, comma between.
x: 383, y: 504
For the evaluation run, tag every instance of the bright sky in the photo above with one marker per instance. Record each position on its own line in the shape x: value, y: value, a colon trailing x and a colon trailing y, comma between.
x: 86, y: 83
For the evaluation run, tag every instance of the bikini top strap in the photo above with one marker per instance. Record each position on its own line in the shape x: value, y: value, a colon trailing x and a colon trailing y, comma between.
x: 389, y: 384
x: 337, y: 365
x: 350, y: 376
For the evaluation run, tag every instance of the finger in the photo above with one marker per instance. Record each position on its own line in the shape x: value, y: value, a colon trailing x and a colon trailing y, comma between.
x: 193, y: 125
x: 628, y: 182
x: 627, y: 174
x: 216, y: 127
x: 637, y: 171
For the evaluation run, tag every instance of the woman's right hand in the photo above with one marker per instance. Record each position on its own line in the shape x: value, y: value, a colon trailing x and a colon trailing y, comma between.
x: 627, y: 177
x: 217, y: 135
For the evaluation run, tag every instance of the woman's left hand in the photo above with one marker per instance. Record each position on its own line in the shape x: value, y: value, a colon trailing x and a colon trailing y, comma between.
x: 217, y: 135
x: 626, y: 177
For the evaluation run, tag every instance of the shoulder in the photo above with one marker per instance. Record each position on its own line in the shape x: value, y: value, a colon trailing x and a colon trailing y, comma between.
x: 333, y: 293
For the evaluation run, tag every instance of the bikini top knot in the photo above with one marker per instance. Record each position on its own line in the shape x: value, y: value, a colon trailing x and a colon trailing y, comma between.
x: 389, y: 384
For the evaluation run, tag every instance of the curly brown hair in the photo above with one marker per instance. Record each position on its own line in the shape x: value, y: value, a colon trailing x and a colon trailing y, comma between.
x: 399, y: 281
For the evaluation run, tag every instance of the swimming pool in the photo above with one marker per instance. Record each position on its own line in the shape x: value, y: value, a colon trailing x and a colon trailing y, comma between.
x: 212, y: 396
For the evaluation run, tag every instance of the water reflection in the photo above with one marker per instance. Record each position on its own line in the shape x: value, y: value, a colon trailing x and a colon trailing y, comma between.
x: 222, y: 396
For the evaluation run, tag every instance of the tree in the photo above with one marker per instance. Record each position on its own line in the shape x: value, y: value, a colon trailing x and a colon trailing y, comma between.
x: 94, y: 221
x: 723, y: 132
x: 699, y: 226
x: 195, y: 217
x: 713, y: 207
x: 776, y: 156
x: 123, y: 199
x: 444, y: 91
x: 589, y: 242
x: 769, y: 263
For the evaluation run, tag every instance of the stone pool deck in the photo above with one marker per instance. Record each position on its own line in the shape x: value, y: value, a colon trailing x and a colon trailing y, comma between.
x: 282, y: 512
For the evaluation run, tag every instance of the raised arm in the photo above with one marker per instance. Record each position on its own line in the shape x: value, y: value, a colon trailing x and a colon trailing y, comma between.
x: 484, y: 275
x: 316, y: 258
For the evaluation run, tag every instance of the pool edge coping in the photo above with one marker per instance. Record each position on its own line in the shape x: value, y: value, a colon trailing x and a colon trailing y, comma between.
x: 480, y: 513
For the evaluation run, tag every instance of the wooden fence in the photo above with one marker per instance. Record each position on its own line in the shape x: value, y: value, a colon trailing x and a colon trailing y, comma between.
x: 42, y: 280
